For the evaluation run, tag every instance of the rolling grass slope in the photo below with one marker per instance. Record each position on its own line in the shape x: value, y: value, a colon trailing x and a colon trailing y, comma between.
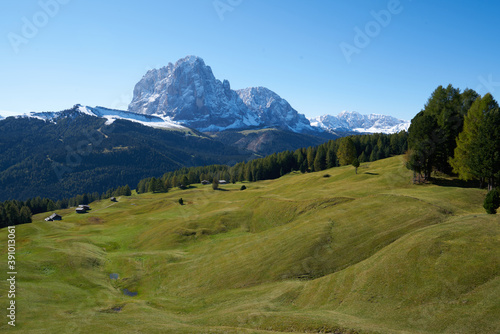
x: 366, y: 253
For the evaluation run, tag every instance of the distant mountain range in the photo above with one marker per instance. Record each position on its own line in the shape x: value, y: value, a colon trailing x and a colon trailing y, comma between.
x: 187, y: 95
x: 188, y: 92
x: 248, y: 141
x: 352, y: 121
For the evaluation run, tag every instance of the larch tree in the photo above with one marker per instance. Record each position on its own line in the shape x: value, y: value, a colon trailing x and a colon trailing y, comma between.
x: 477, y: 155
x: 346, y: 152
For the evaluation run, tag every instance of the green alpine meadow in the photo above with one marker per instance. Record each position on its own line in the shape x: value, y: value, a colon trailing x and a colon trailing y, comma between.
x: 333, y: 251
x: 250, y: 167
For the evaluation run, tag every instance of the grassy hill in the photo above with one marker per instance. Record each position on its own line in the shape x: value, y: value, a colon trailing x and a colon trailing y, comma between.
x: 366, y: 253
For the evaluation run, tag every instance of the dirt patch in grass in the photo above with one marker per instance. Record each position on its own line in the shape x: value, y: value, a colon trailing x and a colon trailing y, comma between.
x: 95, y: 221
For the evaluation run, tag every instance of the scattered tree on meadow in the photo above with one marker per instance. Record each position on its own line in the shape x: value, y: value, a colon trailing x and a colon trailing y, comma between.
x: 492, y: 201
x: 355, y: 164
x: 181, y: 201
x: 215, y: 184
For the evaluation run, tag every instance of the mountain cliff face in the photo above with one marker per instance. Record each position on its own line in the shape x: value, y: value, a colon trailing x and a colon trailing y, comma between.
x: 353, y: 121
x: 189, y: 93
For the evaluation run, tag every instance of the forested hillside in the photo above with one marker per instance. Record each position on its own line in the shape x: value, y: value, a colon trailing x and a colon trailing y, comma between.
x: 80, y: 154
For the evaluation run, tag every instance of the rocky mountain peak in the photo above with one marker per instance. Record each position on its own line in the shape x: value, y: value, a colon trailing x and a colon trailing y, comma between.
x: 189, y: 93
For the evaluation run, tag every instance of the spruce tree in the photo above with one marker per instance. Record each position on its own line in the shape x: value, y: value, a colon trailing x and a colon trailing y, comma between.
x: 127, y: 191
x: 25, y: 215
x: 423, y: 139
x: 320, y: 159
x: 185, y: 181
x: 331, y: 158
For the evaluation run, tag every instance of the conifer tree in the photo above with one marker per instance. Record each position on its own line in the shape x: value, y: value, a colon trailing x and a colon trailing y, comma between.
x: 127, y: 191
x: 185, y: 181
x: 355, y: 164
x: 331, y: 158
x: 347, y: 151
x: 310, y: 158
x: 25, y: 215
x: 423, y: 140
x: 477, y: 155
x: 320, y: 159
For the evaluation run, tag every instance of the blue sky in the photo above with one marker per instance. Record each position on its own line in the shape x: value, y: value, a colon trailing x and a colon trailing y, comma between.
x: 56, y: 53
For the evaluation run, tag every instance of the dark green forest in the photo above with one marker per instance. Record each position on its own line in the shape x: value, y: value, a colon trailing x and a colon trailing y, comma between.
x: 80, y: 154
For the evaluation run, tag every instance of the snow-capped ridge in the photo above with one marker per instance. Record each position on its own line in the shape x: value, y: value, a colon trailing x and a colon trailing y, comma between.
x: 110, y: 114
x: 354, y: 121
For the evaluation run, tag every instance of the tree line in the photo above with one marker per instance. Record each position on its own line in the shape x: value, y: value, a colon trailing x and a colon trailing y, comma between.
x: 456, y: 132
x: 339, y: 152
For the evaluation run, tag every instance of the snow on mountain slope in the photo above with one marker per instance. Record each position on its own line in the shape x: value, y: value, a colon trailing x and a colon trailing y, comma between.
x: 189, y: 93
x: 111, y: 115
x: 354, y: 121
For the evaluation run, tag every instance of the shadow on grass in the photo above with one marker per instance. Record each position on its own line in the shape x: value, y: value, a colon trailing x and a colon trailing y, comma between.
x: 369, y: 173
x: 442, y: 182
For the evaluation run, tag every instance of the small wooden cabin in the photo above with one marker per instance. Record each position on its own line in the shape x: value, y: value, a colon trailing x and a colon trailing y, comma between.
x: 53, y: 217
x: 81, y: 210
